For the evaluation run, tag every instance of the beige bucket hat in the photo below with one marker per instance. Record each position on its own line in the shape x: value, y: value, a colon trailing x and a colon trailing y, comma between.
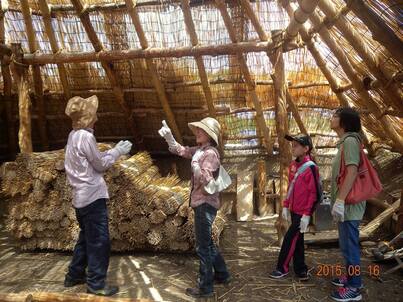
x: 82, y: 111
x: 211, y: 126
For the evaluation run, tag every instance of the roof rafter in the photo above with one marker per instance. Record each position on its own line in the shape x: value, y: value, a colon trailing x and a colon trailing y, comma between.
x: 159, y: 86
x: 108, y: 67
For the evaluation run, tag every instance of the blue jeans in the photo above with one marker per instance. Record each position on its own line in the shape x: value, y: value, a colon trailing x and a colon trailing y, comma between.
x: 349, y: 241
x: 209, y: 256
x: 93, y: 246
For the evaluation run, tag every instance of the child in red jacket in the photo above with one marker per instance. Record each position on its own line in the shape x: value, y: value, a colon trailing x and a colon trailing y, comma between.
x: 298, y: 207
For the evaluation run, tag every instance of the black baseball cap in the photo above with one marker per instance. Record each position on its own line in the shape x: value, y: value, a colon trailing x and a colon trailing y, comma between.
x: 303, y: 139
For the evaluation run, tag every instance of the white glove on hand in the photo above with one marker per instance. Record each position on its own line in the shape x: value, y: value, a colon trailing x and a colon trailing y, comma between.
x: 303, y: 225
x: 166, y: 133
x: 123, y: 147
x: 338, y: 210
x: 286, y: 214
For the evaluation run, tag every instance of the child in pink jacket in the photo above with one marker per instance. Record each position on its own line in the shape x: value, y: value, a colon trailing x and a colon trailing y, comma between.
x: 298, y: 207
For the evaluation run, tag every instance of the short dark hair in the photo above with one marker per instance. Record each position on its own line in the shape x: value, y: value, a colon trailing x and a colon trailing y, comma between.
x: 349, y: 119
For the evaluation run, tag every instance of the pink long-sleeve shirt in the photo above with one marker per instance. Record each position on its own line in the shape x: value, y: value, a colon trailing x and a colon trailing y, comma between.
x: 84, y: 165
x: 209, y: 162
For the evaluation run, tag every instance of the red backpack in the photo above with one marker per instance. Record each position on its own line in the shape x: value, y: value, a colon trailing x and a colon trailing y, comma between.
x: 367, y: 183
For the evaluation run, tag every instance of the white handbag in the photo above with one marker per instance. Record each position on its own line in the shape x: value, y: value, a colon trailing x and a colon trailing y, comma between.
x: 222, y: 182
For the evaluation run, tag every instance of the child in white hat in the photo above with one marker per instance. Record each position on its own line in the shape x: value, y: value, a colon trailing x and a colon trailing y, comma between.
x: 84, y: 165
x: 206, y: 185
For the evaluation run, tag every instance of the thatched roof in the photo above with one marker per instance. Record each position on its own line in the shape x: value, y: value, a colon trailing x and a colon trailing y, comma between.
x: 161, y: 67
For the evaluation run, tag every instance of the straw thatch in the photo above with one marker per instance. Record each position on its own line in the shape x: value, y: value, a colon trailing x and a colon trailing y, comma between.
x: 146, y: 211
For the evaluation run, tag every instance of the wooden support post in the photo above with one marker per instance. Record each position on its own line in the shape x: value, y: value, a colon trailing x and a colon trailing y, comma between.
x: 47, y: 20
x: 381, y: 32
x: 260, y: 121
x: 386, y: 122
x: 190, y: 27
x: 321, y: 63
x: 282, y: 129
x: 109, y: 69
x: 7, y: 84
x: 263, y: 206
x: 20, y: 74
x: 159, y: 87
x: 36, y: 72
x: 389, y: 89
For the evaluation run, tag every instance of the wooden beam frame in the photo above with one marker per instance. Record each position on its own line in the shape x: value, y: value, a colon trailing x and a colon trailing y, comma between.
x: 322, y: 65
x: 20, y: 75
x: 300, y: 16
x: 47, y: 20
x: 36, y: 72
x: 260, y: 121
x: 159, y: 86
x: 187, y: 14
x: 149, y: 53
x: 381, y: 32
x: 390, y: 90
x: 108, y: 67
x: 385, y: 121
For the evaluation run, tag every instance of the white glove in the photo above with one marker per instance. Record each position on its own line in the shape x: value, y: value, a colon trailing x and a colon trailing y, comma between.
x: 338, y: 210
x: 303, y: 225
x: 286, y: 214
x: 166, y: 133
x: 123, y: 147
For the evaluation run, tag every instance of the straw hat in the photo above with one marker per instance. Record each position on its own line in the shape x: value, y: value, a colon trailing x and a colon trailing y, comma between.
x: 210, y: 125
x: 82, y: 111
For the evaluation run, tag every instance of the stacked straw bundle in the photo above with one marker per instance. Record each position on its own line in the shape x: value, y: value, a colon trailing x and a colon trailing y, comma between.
x: 146, y: 211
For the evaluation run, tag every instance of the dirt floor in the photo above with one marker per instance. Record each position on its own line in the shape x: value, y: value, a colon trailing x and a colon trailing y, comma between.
x: 249, y: 249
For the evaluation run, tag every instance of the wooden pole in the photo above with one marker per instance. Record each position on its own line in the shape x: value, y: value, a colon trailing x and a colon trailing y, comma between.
x: 7, y: 85
x: 306, y: 7
x: 263, y: 206
x: 149, y: 53
x: 322, y: 65
x: 295, y: 113
x: 388, y: 87
x: 385, y: 121
x: 47, y: 20
x: 36, y: 72
x: 132, y: 10
x: 109, y: 69
x: 20, y: 74
x: 282, y: 129
x: 190, y: 27
x: 381, y: 32
x: 260, y: 121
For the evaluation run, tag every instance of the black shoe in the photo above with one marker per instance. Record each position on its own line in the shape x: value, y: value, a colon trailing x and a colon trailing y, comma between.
x: 106, y: 291
x: 197, y: 293
x: 303, y: 276
x: 70, y: 282
x: 277, y: 274
x: 223, y: 281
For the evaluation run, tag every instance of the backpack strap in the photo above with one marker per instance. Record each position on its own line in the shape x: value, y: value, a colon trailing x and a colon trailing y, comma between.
x: 317, y: 189
x: 299, y: 172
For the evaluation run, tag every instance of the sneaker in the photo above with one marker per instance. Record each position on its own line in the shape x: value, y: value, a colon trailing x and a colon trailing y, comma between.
x: 70, y: 282
x: 277, y: 274
x: 305, y: 276
x: 197, y: 293
x: 106, y: 291
x: 223, y: 281
x: 342, y: 282
x: 344, y: 294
